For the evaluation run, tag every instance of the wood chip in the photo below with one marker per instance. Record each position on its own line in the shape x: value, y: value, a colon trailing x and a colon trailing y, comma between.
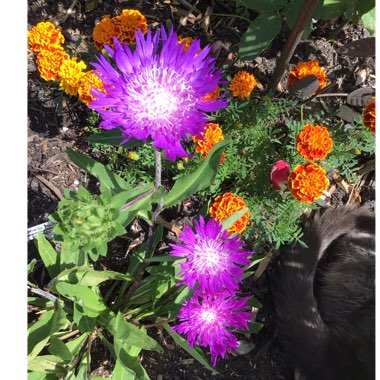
x: 339, y: 180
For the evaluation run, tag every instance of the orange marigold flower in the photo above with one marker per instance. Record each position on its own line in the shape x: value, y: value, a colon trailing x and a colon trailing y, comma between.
x: 44, y: 35
x: 304, y: 69
x: 212, y: 135
x: 104, y: 32
x: 49, y: 62
x: 314, y: 142
x: 70, y: 74
x: 130, y: 21
x: 369, y: 115
x: 211, y: 95
x: 227, y: 204
x: 186, y: 41
x: 242, y: 84
x: 88, y: 82
x: 307, y: 182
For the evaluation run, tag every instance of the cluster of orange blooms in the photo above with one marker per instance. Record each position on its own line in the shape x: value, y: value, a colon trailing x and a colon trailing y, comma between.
x: 307, y: 182
x: 54, y: 63
x: 123, y: 27
x: 369, y: 115
x: 212, y: 135
x: 226, y: 205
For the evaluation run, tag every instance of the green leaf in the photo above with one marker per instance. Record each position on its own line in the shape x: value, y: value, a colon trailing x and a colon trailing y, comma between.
x: 48, y: 324
x: 131, y: 335
x: 291, y: 13
x: 199, y: 180
x: 195, y: 352
x: 114, y: 137
x: 41, y: 302
x: 44, y: 363
x: 89, y: 277
x: 122, y: 372
x: 85, y: 324
x: 259, y: 35
x: 90, y: 5
x: 41, y: 376
x: 369, y: 22
x: 265, y: 5
x: 31, y: 265
x: 160, y: 259
x: 69, y: 255
x: 91, y: 303
x: 329, y: 9
x: 227, y: 223
x: 107, y: 179
x: 253, y: 302
x: 48, y: 255
x: 74, y: 345
x: 59, y: 349
x: 253, y: 327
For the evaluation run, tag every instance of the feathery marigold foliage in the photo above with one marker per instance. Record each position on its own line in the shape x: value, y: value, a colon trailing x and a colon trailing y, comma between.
x: 206, y: 141
x: 50, y: 61
x: 87, y: 83
x: 369, y: 115
x: 304, y: 69
x: 226, y: 205
x: 314, y: 142
x: 70, y: 74
x: 44, y: 35
x: 242, y: 84
x: 307, y: 182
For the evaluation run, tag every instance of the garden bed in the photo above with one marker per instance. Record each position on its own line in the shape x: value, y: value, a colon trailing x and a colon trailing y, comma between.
x: 56, y: 123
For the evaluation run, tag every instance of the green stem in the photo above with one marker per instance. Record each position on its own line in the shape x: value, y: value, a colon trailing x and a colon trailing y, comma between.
x: 149, y: 250
x: 302, y: 113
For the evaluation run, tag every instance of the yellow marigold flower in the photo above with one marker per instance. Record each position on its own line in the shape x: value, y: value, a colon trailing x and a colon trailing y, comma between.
x: 307, y: 182
x: 104, y: 32
x: 130, y: 21
x: 314, y: 142
x: 49, y: 62
x: 211, y: 95
x: 227, y: 204
x: 304, y: 69
x: 369, y: 115
x: 44, y: 35
x: 70, y: 74
x: 242, y: 84
x: 89, y: 81
x: 212, y: 135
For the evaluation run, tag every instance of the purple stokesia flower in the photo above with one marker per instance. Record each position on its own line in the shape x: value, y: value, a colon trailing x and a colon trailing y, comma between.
x: 213, y: 257
x: 156, y: 93
x: 205, y: 318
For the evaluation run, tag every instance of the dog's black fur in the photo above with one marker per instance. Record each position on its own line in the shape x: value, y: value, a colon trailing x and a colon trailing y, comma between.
x: 324, y: 297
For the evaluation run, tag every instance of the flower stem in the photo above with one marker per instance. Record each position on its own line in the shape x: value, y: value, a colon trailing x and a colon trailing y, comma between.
x: 149, y: 249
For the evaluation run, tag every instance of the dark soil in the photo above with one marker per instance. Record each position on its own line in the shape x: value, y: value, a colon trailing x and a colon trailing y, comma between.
x: 52, y: 128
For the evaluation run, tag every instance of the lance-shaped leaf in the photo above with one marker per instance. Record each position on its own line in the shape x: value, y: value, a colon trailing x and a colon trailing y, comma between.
x: 108, y: 180
x: 114, y: 137
x: 199, y: 180
x: 48, y: 255
x: 259, y: 35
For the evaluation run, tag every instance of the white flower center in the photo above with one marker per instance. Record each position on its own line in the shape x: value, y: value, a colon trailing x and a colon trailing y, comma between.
x: 208, y: 316
x: 209, y: 256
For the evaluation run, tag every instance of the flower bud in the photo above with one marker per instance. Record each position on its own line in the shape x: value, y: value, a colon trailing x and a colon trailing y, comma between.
x: 279, y: 175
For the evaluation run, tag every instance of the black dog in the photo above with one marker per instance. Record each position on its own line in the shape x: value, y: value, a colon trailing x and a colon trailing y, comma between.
x: 324, y: 297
